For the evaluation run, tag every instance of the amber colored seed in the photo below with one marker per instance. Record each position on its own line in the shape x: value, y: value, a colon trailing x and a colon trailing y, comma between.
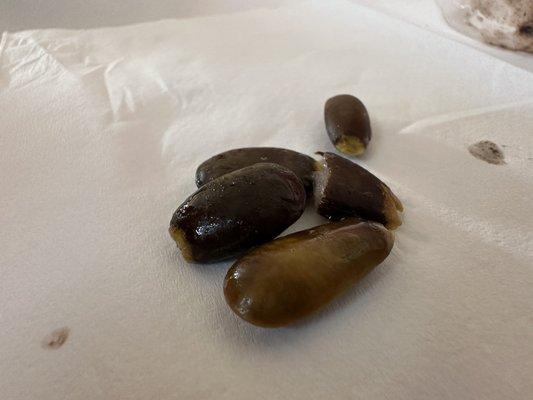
x: 296, y: 275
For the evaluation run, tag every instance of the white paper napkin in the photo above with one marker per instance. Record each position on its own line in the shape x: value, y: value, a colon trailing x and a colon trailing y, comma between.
x: 101, y: 132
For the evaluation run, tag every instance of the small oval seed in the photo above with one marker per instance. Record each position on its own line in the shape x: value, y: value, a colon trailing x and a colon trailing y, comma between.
x: 348, y: 124
x: 296, y: 275
x: 232, y: 160
x: 237, y: 211
x: 345, y: 189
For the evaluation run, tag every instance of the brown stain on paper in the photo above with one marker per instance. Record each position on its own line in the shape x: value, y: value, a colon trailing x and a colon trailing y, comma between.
x: 56, y: 338
x: 487, y: 151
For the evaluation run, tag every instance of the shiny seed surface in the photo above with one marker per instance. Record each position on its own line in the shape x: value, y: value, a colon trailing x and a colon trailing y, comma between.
x: 347, y: 124
x: 237, y: 211
x: 232, y: 160
x: 296, y: 275
x: 345, y: 189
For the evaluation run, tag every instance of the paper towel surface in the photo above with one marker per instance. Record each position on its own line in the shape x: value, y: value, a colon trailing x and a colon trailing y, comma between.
x: 102, y: 131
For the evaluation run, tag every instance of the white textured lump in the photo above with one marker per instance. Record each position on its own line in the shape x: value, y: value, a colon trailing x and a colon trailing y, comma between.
x: 507, y: 23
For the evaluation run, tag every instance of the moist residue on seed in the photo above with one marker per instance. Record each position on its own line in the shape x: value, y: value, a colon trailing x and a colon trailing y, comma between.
x: 56, y: 339
x: 487, y: 151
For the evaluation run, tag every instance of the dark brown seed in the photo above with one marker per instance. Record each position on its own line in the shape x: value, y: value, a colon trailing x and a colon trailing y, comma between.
x: 345, y: 189
x: 347, y: 124
x: 237, y: 211
x: 295, y: 275
x: 232, y: 160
